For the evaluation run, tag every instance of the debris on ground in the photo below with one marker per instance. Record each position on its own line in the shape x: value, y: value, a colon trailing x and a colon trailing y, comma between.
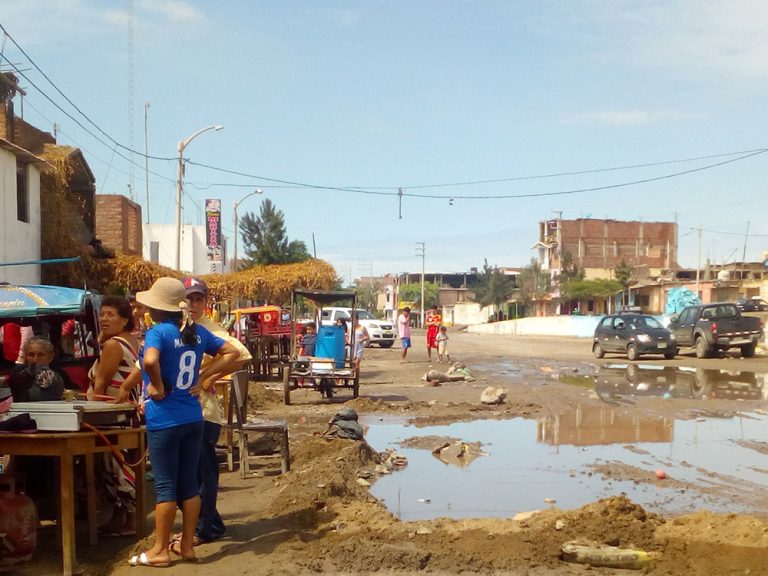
x: 600, y: 555
x: 492, y: 395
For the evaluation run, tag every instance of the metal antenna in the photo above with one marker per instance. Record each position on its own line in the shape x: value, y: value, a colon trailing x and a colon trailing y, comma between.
x: 130, y: 97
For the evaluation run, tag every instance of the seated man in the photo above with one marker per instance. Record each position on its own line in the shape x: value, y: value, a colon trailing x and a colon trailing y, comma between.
x: 36, y: 380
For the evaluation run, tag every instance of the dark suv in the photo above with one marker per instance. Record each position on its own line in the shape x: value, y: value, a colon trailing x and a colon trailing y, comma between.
x: 752, y: 305
x: 633, y: 335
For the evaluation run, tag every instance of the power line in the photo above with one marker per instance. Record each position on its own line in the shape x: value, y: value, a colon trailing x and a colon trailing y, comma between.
x: 360, y: 190
x: 71, y: 103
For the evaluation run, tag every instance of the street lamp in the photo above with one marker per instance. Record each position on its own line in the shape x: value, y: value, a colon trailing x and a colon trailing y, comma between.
x: 182, y: 145
x: 235, y: 223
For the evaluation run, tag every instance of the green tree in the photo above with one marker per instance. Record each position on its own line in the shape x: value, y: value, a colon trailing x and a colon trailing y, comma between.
x: 534, y: 282
x: 623, y: 274
x: 493, y: 287
x: 265, y: 239
x: 412, y: 293
x: 367, y: 298
x: 590, y: 289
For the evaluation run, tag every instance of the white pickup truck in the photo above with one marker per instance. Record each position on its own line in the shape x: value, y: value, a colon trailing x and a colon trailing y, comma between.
x: 381, y: 332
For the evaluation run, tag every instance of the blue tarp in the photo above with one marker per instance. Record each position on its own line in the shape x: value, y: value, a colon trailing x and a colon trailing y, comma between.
x: 27, y: 301
x: 680, y: 298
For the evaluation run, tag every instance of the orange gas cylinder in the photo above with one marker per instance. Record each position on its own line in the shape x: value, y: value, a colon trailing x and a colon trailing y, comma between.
x: 18, y: 524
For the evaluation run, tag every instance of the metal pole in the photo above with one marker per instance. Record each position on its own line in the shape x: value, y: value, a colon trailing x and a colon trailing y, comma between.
x: 698, y: 263
x: 234, y: 251
x: 146, y: 157
x: 421, y: 249
x: 182, y: 145
x: 179, y: 190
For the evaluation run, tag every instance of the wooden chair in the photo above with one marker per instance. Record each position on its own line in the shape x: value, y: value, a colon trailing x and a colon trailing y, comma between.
x: 237, y: 420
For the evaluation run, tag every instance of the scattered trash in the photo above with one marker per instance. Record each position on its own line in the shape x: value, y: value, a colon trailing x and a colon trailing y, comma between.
x: 344, y: 424
x: 605, y: 556
x: 421, y: 530
x: 457, y: 372
x: 559, y: 524
x: 458, y: 453
x: 393, y: 460
x: 549, y: 501
x: 363, y: 482
x: 492, y: 395
x: 424, y: 500
x: 661, y: 474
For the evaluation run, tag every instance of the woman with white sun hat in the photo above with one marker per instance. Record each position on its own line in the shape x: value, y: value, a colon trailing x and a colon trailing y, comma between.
x: 173, y: 351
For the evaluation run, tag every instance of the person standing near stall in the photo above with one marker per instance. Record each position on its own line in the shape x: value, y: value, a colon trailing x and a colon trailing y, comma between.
x: 173, y: 352
x: 210, y: 526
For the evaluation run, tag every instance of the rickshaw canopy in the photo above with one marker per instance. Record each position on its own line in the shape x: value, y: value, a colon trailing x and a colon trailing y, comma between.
x: 30, y: 301
x: 326, y: 296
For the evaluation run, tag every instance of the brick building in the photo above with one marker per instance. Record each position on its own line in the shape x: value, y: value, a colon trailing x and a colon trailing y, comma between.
x: 118, y: 224
x: 66, y: 208
x: 598, y: 246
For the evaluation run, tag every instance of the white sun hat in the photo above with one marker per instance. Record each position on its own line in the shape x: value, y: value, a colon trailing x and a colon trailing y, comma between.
x: 166, y: 294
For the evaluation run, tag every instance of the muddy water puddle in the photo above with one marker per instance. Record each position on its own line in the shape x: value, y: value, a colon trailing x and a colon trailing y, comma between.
x: 720, y: 464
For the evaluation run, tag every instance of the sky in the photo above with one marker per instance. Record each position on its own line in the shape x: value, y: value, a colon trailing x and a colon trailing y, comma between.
x: 490, y: 115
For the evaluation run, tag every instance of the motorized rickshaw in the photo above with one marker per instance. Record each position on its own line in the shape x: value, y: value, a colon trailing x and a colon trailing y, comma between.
x: 68, y: 317
x: 266, y: 332
x: 331, y: 367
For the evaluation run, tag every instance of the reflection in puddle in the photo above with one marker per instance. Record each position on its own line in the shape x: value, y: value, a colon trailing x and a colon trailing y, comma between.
x: 554, y: 458
x: 616, y: 381
x: 590, y: 425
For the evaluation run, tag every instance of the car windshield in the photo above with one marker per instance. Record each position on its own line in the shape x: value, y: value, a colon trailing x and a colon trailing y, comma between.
x: 642, y: 322
x: 365, y: 315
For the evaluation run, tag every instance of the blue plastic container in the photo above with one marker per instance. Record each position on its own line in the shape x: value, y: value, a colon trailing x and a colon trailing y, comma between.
x: 331, y: 344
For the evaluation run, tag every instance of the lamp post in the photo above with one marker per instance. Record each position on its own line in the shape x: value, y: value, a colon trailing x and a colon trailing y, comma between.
x: 182, y: 145
x: 235, y: 223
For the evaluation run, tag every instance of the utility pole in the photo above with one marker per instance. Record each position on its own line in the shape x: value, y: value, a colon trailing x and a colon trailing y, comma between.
x: 421, y: 250
x: 698, y: 261
x: 744, y: 256
x: 146, y: 158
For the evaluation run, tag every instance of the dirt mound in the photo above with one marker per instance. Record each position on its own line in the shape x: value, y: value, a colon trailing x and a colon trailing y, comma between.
x: 323, y: 469
x: 260, y: 397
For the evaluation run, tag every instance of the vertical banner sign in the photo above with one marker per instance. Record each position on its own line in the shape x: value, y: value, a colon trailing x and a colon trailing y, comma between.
x: 213, y: 234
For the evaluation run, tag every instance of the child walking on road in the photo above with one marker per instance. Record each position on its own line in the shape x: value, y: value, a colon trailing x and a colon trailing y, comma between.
x: 442, y: 345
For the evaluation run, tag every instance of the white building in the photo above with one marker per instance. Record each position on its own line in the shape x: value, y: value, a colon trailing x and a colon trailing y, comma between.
x: 159, y: 247
x: 19, y: 213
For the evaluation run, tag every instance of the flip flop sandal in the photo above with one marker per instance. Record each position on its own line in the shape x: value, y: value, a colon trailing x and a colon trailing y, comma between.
x: 175, y: 548
x: 143, y: 560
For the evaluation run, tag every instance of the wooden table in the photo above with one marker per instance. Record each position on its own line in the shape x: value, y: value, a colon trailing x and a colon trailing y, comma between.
x: 65, y: 446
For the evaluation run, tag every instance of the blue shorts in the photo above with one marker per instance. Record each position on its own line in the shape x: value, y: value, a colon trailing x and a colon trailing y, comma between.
x: 175, y: 453
x: 406, y: 342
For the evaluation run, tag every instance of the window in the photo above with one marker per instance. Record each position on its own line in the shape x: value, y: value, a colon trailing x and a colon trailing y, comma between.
x: 154, y: 251
x: 22, y: 192
x: 606, y: 323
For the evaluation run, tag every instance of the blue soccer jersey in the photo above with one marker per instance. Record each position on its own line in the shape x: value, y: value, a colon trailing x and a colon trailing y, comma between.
x: 179, y: 368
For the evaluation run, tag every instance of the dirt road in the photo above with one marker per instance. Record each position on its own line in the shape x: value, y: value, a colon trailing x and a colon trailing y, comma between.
x: 321, y: 518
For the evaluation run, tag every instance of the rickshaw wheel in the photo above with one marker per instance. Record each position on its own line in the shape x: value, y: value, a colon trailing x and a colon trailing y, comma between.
x: 287, y: 386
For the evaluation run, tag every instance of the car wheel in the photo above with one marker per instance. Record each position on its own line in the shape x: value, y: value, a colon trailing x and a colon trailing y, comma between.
x: 671, y: 354
x: 386, y: 344
x: 702, y: 350
x: 748, y: 350
x: 598, y: 350
x: 632, y: 352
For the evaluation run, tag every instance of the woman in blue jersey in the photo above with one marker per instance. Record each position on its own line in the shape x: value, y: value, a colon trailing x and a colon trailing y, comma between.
x: 173, y: 351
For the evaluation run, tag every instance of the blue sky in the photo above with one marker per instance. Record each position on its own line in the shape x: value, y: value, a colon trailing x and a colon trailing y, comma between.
x: 387, y: 94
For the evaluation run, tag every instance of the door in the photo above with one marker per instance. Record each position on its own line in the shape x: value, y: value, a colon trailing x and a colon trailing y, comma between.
x: 683, y: 327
